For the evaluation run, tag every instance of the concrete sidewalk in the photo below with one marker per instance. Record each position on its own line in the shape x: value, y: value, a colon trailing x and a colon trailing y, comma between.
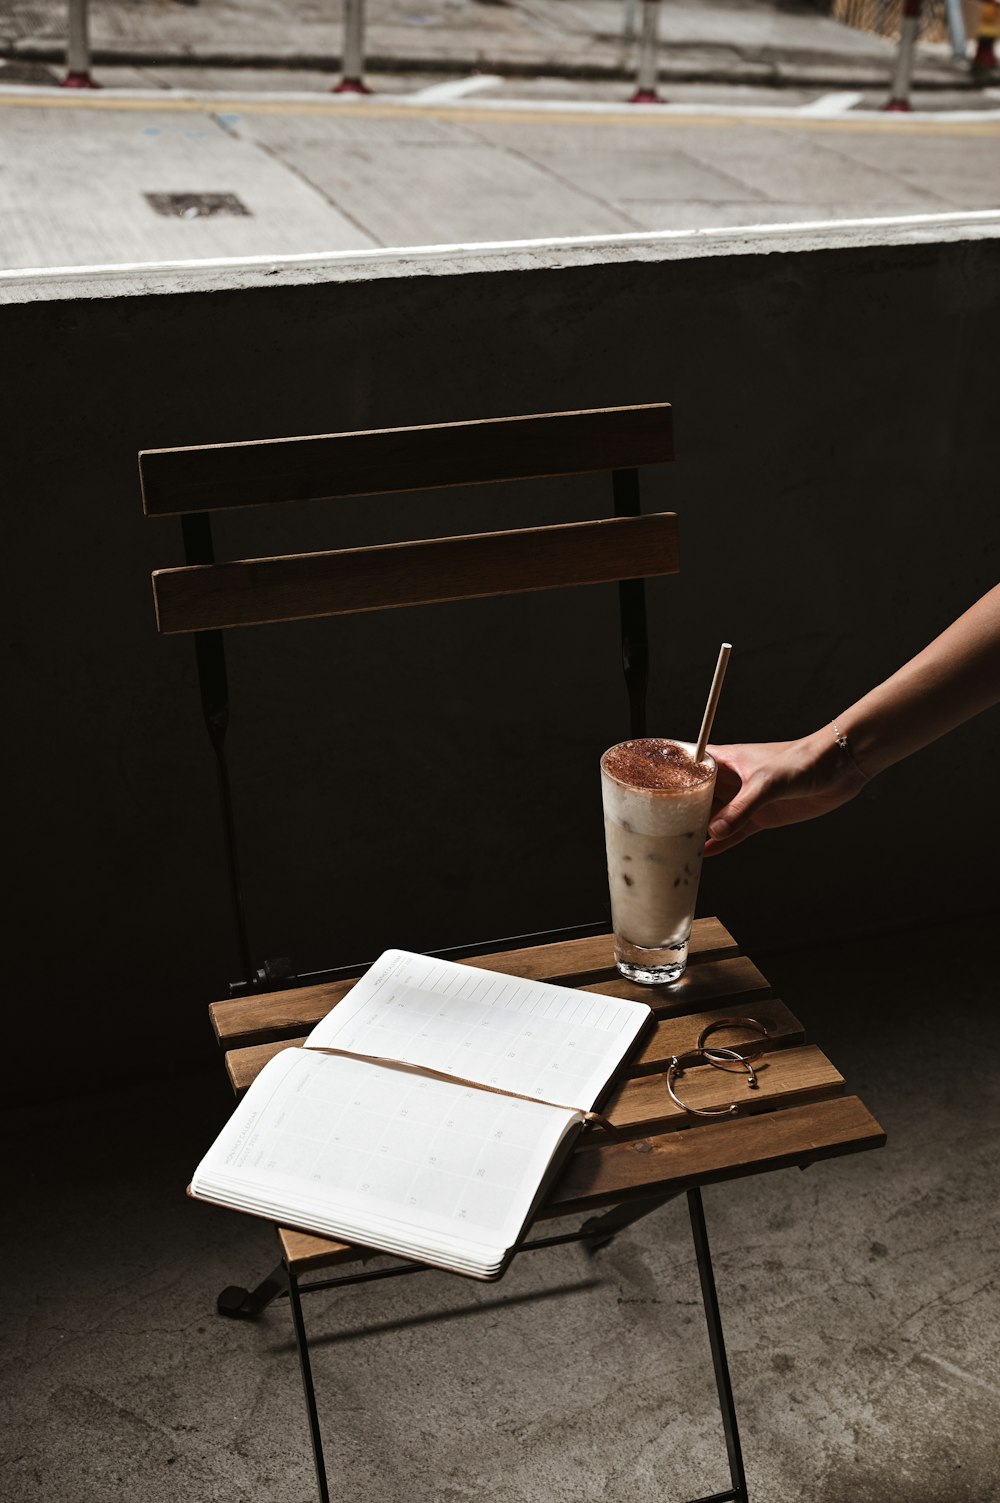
x: 712, y: 41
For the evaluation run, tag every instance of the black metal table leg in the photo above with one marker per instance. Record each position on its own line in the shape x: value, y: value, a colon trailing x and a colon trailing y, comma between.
x: 714, y: 1320
x: 242, y: 1303
x: 307, y: 1384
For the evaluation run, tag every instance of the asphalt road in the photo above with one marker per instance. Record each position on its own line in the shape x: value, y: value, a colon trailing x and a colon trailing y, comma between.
x: 122, y: 176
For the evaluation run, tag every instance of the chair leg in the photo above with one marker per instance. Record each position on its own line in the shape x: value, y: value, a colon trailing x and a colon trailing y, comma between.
x: 246, y: 1304
x: 696, y: 1210
x: 713, y: 1317
x: 307, y: 1385
x: 601, y: 1230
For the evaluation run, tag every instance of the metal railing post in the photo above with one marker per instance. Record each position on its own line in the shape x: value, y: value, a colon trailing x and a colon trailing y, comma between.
x: 984, y: 61
x: 353, y: 60
x: 645, y: 91
x: 899, y: 98
x: 78, y: 49
x: 957, y: 34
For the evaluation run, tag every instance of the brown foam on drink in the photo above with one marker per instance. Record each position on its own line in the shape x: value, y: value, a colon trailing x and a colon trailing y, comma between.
x: 654, y: 765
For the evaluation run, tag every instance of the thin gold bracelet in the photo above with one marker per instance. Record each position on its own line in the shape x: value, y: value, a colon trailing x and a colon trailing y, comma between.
x: 720, y: 1058
x: 844, y: 746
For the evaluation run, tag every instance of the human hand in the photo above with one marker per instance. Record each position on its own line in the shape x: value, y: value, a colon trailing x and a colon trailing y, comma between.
x: 762, y: 785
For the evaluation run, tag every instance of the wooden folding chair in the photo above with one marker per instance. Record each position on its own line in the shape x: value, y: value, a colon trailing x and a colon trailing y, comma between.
x: 799, y: 1114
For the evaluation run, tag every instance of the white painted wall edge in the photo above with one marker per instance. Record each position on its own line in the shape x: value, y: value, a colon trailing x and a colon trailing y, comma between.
x: 32, y: 284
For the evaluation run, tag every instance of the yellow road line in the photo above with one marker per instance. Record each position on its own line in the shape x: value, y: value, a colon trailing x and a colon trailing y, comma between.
x: 634, y: 118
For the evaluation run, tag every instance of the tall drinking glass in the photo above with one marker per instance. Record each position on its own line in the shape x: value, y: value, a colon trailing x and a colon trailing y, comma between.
x: 657, y: 804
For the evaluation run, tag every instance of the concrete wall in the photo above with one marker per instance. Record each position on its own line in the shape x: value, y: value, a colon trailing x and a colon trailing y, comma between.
x: 429, y: 776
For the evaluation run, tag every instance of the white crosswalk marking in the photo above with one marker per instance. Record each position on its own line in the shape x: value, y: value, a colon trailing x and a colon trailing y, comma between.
x: 458, y: 88
x: 831, y: 104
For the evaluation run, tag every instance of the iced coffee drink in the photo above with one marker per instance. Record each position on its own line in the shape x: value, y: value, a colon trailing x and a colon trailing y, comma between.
x: 657, y: 803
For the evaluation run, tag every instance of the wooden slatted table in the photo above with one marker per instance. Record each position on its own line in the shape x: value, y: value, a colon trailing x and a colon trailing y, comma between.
x: 800, y: 1113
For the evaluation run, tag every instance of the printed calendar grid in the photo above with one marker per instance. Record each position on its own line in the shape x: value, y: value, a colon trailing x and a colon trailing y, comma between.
x: 393, y: 1158
x: 463, y: 1157
x: 497, y: 1030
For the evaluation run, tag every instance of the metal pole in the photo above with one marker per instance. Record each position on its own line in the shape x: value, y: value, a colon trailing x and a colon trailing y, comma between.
x: 628, y: 26
x: 632, y: 606
x: 78, y: 49
x: 353, y: 61
x: 957, y: 34
x: 307, y: 1388
x: 213, y: 685
x: 716, y: 1341
x: 899, y: 99
x: 984, y: 62
x: 645, y: 91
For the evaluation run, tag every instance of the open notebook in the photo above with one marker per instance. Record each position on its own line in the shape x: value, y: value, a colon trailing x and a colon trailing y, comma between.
x: 439, y: 1170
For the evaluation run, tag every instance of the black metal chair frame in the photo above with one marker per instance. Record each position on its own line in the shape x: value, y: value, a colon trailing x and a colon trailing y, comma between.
x: 237, y: 1302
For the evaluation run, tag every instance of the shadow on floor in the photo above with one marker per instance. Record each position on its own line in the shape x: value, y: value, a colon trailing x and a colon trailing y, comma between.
x: 860, y: 1304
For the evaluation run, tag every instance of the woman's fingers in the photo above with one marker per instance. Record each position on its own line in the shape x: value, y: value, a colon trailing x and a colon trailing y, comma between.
x: 715, y: 847
x: 751, y: 784
x: 728, y: 824
x: 731, y: 818
x: 728, y: 776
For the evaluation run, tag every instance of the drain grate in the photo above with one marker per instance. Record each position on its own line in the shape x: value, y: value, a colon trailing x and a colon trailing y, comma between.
x: 196, y: 205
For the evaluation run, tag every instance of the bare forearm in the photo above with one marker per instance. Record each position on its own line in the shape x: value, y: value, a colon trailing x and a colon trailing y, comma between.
x: 953, y: 678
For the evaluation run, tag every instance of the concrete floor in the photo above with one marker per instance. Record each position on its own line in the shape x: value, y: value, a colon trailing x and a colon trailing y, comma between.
x: 860, y: 1301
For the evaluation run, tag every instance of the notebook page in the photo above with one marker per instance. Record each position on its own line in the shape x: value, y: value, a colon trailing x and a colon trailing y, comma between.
x: 351, y: 1148
x: 540, y: 1040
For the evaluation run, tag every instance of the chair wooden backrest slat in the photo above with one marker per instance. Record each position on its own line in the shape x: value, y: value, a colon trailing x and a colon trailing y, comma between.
x: 250, y: 592
x: 214, y: 477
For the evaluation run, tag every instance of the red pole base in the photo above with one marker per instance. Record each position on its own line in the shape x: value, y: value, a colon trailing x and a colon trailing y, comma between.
x: 645, y: 96
x: 79, y: 81
x: 985, y: 60
x: 899, y: 107
x: 351, y: 86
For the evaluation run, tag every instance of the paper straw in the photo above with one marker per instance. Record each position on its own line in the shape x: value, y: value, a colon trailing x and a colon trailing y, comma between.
x: 713, y: 700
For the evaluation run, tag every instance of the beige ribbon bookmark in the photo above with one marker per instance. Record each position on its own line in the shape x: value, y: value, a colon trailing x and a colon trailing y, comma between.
x: 592, y: 1119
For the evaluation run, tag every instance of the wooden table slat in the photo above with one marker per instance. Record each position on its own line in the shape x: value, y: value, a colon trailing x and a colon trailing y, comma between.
x: 573, y: 961
x: 668, y: 1036
x: 641, y: 1103
x: 737, y: 979
x: 258, y: 1019
x: 304, y: 1251
x: 616, y: 1172
x: 786, y: 1077
x: 610, y: 1173
x: 672, y: 1035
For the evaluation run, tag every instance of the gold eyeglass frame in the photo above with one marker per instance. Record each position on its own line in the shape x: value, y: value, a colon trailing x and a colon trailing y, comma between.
x: 720, y: 1058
